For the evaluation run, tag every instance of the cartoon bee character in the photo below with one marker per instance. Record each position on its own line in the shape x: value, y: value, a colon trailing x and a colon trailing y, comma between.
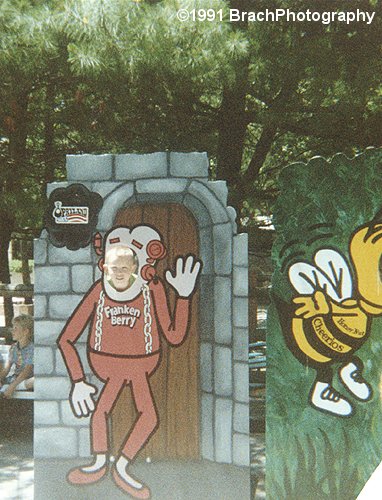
x: 332, y: 317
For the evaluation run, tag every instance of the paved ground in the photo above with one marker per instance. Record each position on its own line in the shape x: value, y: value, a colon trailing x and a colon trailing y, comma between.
x: 16, y: 469
x: 167, y: 480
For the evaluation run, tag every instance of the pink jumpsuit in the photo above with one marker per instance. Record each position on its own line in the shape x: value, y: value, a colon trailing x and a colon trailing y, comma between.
x: 117, y: 353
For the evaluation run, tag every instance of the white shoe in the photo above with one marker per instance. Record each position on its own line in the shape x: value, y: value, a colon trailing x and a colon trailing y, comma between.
x: 327, y: 399
x: 351, y: 377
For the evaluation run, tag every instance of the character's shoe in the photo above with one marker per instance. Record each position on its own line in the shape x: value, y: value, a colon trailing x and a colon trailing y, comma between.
x: 79, y: 476
x: 325, y: 398
x: 142, y: 493
x: 351, y: 376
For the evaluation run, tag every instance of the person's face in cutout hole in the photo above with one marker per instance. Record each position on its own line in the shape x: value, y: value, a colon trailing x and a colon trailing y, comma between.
x: 120, y: 267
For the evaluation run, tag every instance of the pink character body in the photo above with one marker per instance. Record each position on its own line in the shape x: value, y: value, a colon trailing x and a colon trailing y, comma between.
x: 124, y: 345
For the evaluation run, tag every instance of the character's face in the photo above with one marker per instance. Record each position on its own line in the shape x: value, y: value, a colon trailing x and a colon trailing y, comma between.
x: 141, y: 246
x: 19, y: 333
x: 120, y: 268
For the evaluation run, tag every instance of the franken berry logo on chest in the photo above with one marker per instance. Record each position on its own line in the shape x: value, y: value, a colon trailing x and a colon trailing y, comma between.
x: 122, y: 315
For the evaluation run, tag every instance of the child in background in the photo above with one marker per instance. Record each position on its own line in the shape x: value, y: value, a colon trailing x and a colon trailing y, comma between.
x: 18, y: 370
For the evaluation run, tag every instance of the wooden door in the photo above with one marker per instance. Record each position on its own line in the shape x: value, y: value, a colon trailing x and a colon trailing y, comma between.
x: 175, y: 385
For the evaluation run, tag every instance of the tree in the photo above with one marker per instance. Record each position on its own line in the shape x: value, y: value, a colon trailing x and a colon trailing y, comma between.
x: 255, y: 95
x: 115, y: 76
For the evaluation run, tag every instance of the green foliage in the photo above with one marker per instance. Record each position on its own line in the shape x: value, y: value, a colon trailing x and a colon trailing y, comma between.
x: 308, y: 476
x: 16, y: 266
x: 114, y: 76
x: 342, y: 192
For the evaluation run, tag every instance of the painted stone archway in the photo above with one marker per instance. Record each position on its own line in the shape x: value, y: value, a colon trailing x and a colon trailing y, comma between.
x: 63, y: 276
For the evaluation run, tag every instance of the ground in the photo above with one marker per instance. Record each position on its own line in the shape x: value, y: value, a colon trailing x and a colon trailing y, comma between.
x: 16, y: 468
x: 167, y: 480
x: 205, y: 480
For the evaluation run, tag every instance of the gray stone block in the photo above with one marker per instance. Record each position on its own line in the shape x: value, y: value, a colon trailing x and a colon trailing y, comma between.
x: 47, y: 332
x: 52, y: 279
x: 82, y: 277
x: 217, y: 211
x: 220, y: 189
x: 133, y: 166
x: 62, y: 306
x: 241, y: 382
x: 52, y: 388
x: 55, y: 442
x: 159, y: 198
x: 240, y: 312
x: 39, y: 251
x: 116, y: 200
x: 92, y: 379
x: 97, y: 273
x: 223, y: 249
x: 43, y: 360
x: 206, y: 249
x: 240, y: 281
x: 189, y: 165
x: 207, y: 426
x: 46, y: 413
x: 82, y: 351
x: 241, y: 450
x: 241, y: 418
x: 240, y: 344
x: 84, y: 443
x: 233, y: 218
x: 240, y: 250
x: 69, y: 419
x: 65, y: 256
x: 161, y: 186
x: 206, y: 308
x: 198, y: 210
x: 55, y: 185
x: 105, y: 188
x: 206, y: 367
x: 223, y: 431
x: 60, y: 367
x: 40, y: 306
x: 89, y: 167
x: 223, y: 371
x: 223, y: 325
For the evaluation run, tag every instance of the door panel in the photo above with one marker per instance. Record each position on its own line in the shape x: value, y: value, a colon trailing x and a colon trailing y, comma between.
x: 175, y: 384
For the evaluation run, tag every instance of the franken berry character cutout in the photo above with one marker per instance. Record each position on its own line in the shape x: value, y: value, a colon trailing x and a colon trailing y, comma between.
x: 71, y: 216
x: 127, y: 309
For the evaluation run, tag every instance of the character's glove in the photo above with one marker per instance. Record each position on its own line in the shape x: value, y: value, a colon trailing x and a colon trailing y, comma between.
x: 312, y: 306
x: 81, y: 399
x: 185, y: 275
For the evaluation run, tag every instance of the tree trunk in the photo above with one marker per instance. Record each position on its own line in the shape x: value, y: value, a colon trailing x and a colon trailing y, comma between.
x: 49, y: 152
x: 232, y: 123
x: 262, y: 149
x: 18, y: 135
x: 231, y: 129
x: 6, y: 227
x: 18, y: 131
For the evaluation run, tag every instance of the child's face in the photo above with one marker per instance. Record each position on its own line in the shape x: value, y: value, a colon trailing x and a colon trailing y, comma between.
x: 19, y: 333
x: 118, y: 270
